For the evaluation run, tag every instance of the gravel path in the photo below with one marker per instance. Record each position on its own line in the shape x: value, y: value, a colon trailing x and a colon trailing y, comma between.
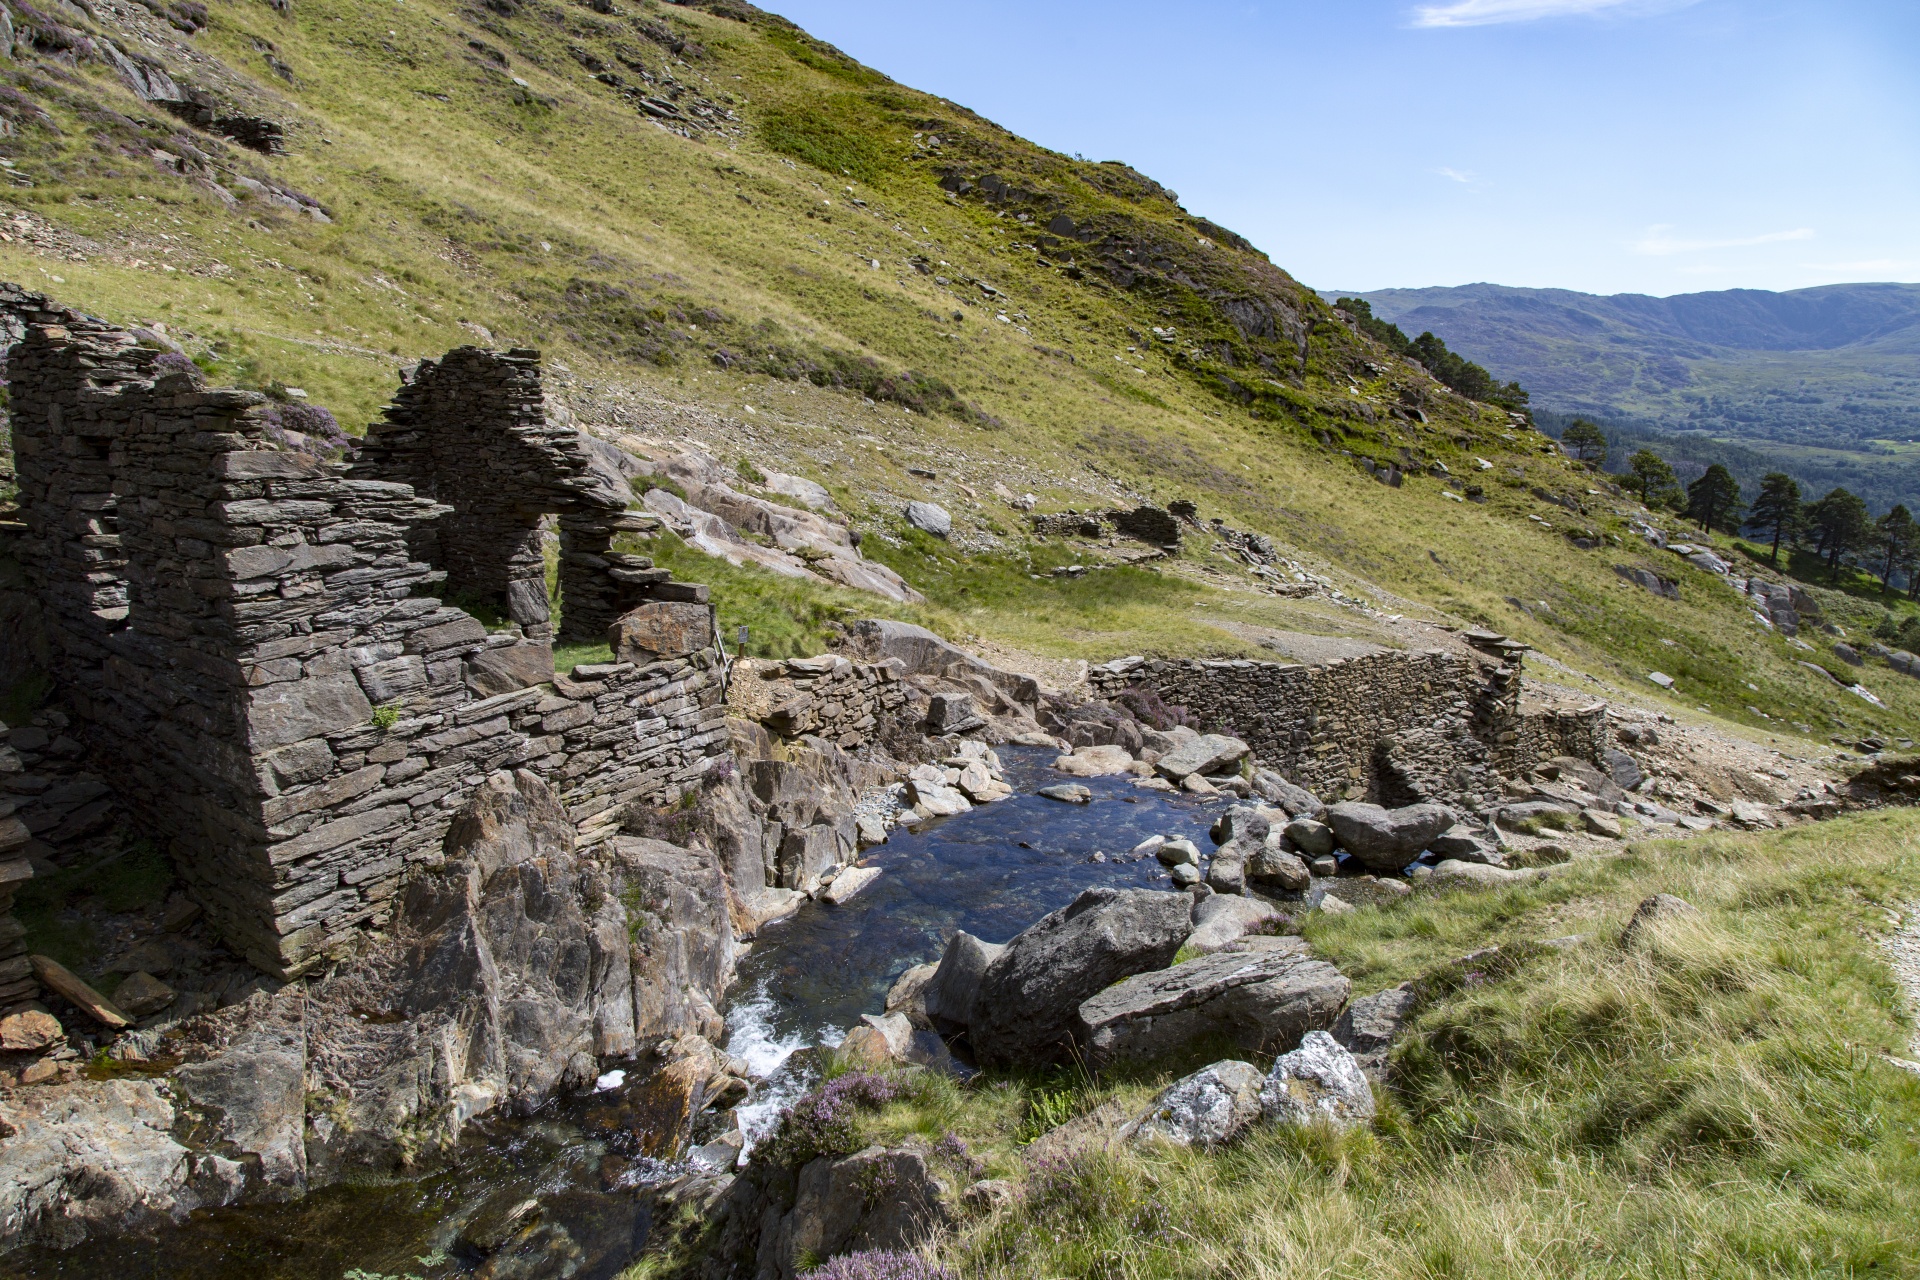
x: 1903, y: 953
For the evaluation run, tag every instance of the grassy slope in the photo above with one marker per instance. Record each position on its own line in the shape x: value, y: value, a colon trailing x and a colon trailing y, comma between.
x: 557, y: 215
x: 1716, y: 1104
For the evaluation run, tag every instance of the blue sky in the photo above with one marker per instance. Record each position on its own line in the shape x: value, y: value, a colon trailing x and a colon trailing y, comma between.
x: 1650, y: 146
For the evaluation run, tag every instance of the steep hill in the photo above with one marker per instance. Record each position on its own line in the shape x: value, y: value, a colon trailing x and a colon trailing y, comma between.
x: 721, y: 231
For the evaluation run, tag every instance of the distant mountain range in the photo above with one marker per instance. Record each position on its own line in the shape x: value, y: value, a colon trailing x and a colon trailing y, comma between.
x: 1824, y: 381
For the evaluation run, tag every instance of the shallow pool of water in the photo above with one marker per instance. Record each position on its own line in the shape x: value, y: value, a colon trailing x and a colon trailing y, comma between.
x: 991, y: 872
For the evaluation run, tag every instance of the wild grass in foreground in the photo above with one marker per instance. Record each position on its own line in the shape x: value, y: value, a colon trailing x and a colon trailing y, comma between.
x: 1713, y: 1102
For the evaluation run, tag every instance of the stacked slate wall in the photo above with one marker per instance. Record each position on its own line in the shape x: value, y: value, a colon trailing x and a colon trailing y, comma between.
x: 1392, y: 726
x: 832, y: 697
x: 247, y: 642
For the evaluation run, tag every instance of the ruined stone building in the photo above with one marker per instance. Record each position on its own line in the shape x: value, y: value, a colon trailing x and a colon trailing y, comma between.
x: 260, y: 646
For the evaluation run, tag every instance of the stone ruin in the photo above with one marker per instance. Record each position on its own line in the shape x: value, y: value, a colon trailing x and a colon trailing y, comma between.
x: 257, y: 647
x: 1393, y: 728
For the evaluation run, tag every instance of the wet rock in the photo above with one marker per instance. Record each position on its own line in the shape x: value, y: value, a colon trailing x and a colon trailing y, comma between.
x: 1208, y: 753
x: 953, y: 992
x: 849, y: 883
x: 1259, y: 1002
x: 1319, y: 1081
x: 1387, y: 839
x: 1031, y: 994
x: 1654, y: 913
x: 908, y: 994
x: 1067, y: 792
x: 1209, y: 1108
x: 1175, y: 852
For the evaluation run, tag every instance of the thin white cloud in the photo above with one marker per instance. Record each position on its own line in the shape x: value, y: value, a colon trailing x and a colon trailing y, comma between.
x: 1659, y: 242
x: 1870, y: 264
x: 1458, y: 175
x: 1487, y: 13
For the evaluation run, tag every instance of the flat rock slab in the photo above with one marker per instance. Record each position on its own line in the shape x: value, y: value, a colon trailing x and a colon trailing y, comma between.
x: 1095, y: 762
x: 1067, y: 793
x: 1260, y: 1002
x: 1208, y: 753
x: 848, y: 883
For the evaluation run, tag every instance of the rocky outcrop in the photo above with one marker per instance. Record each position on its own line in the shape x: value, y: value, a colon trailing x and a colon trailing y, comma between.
x: 1260, y: 1002
x: 1031, y: 993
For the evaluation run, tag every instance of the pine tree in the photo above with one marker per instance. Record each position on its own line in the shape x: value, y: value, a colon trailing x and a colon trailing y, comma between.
x: 1899, y: 539
x: 1777, y: 508
x: 1841, y: 525
x: 1713, y: 501
x: 1655, y: 478
x: 1585, y: 440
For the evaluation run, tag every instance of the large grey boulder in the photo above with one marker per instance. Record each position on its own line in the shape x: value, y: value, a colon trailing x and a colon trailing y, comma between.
x: 1030, y: 994
x: 1209, y: 1108
x: 1319, y: 1081
x: 929, y: 518
x: 1258, y: 1001
x: 1208, y: 753
x: 1387, y: 839
x: 953, y: 992
x: 1310, y: 836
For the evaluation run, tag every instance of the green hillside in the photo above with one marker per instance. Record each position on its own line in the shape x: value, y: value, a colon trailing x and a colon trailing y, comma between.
x: 720, y: 230
x: 1824, y: 382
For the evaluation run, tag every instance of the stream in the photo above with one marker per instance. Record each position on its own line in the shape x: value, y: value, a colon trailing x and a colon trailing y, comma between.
x: 552, y: 1197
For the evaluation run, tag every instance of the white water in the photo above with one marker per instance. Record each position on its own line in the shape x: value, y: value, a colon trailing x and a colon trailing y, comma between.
x: 751, y: 1035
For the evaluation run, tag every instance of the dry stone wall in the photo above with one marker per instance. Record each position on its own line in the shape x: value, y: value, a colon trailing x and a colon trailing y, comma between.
x: 845, y: 702
x: 251, y: 646
x: 1393, y: 726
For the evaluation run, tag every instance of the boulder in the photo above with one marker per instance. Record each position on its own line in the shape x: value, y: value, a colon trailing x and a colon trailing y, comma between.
x: 1622, y: 768
x: 1243, y: 822
x: 952, y: 713
x: 1274, y: 867
x: 876, y: 1199
x: 1600, y: 823
x: 1387, y: 839
x: 1452, y: 871
x: 1259, y: 1002
x: 929, y: 518
x: 908, y: 994
x: 1371, y: 1024
x: 1227, y: 871
x: 1315, y: 839
x: 1067, y: 793
x: 937, y: 799
x: 1534, y: 813
x: 1276, y: 790
x: 1319, y: 1081
x: 1652, y: 914
x: 1224, y: 918
x: 1030, y: 995
x: 1095, y: 762
x: 141, y: 994
x: 1467, y: 845
x: 661, y: 629
x: 1205, y: 754
x: 954, y: 989
x: 1173, y: 853
x: 1184, y: 875
x: 849, y: 883
x: 921, y: 652
x: 1209, y: 1108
